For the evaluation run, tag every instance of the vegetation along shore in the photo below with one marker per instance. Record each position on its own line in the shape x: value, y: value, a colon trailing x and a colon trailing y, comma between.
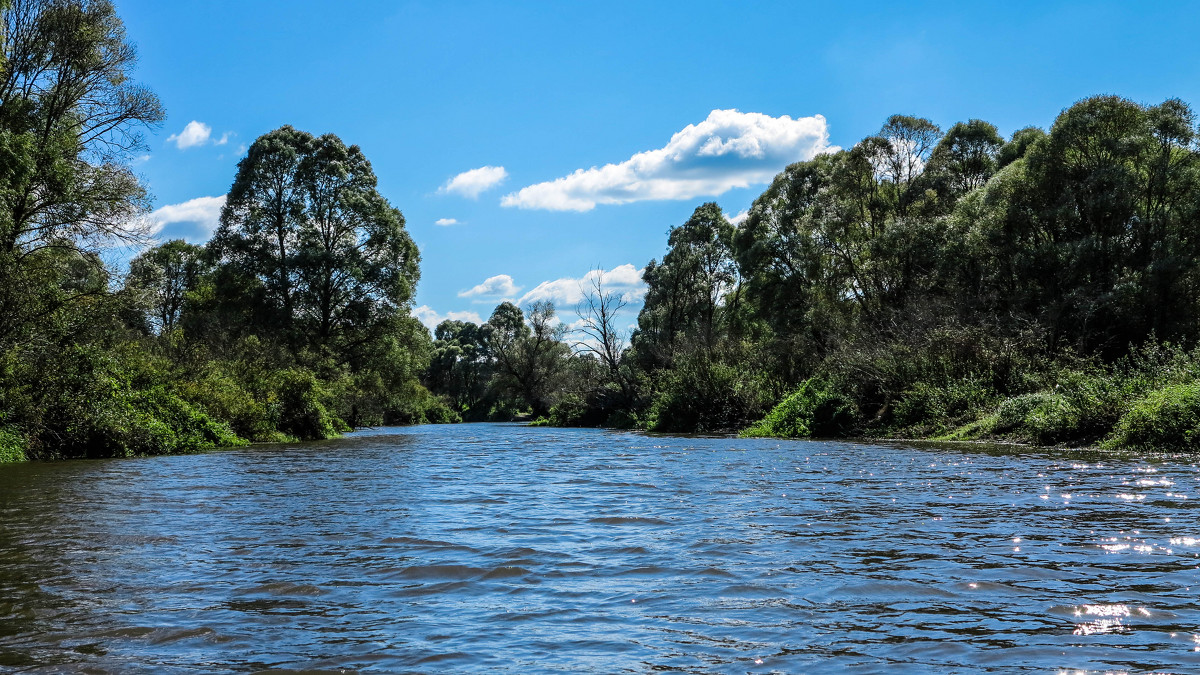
x: 926, y: 282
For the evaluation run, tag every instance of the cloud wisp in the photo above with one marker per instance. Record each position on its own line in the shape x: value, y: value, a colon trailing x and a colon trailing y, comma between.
x: 446, y: 222
x: 568, y: 291
x: 729, y: 149
x: 193, y: 135
x: 431, y: 318
x: 204, y: 212
x: 475, y: 182
x: 499, y: 286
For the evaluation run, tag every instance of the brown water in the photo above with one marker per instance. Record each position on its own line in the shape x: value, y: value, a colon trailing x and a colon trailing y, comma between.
x: 509, y: 549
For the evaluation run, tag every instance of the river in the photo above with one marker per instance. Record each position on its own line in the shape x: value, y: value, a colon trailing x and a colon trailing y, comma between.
x: 504, y: 548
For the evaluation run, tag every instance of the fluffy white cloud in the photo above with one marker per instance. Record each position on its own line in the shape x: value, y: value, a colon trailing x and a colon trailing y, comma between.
x: 474, y: 182
x: 739, y: 217
x: 499, y: 286
x: 431, y: 318
x: 445, y: 221
x: 194, y: 134
x: 202, y: 211
x: 624, y: 279
x: 729, y: 149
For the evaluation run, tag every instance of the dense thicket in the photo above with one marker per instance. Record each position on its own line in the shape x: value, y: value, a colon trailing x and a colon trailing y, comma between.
x: 923, y: 282
x: 292, y: 323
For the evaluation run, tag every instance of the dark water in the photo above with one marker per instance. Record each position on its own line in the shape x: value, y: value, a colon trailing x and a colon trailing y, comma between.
x: 507, y: 549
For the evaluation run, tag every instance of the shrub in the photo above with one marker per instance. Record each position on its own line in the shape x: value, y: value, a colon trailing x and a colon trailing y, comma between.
x: 812, y: 410
x: 1166, y: 419
x: 935, y: 407
x: 12, y: 445
x: 227, y: 399
x: 300, y: 405
x: 1014, y: 413
x: 705, y: 395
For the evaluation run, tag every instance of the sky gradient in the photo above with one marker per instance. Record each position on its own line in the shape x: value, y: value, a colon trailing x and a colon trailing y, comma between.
x: 528, y: 143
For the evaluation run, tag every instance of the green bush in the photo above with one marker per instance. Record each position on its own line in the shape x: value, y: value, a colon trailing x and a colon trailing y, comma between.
x: 1165, y: 419
x: 812, y: 410
x: 571, y: 411
x: 933, y: 407
x: 416, y: 405
x: 225, y: 398
x: 707, y: 395
x: 1015, y: 413
x: 299, y: 405
x: 12, y: 445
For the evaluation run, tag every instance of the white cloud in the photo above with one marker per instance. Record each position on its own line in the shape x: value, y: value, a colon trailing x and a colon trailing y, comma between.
x: 624, y: 279
x: 499, y: 286
x: 194, y: 134
x: 202, y: 211
x: 428, y: 316
x: 445, y: 221
x: 224, y: 138
x: 474, y: 182
x: 739, y: 218
x: 729, y: 149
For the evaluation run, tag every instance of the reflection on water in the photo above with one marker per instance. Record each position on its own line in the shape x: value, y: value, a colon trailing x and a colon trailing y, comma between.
x: 505, y: 548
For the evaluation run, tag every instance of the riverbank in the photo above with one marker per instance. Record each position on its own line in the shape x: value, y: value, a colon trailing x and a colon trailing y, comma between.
x: 1148, y: 402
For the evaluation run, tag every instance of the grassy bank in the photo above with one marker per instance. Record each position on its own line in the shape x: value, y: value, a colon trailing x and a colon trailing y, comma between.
x: 1147, y: 401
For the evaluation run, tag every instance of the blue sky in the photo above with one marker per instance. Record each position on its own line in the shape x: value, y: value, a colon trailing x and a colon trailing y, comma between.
x: 524, y: 94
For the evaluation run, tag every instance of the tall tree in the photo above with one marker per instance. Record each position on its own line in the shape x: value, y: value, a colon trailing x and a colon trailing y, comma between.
x: 686, y: 290
x: 304, y: 218
x: 529, y: 352
x: 70, y: 119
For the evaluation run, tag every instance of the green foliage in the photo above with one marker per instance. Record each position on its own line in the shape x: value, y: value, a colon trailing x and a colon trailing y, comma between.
x: 12, y: 445
x: 812, y: 410
x: 706, y: 395
x: 1165, y: 419
x: 417, y: 405
x: 571, y: 411
x: 928, y: 408
x: 301, y: 405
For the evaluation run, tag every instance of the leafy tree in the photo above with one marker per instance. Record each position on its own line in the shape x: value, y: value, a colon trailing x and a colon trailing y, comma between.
x: 460, y: 365
x: 965, y: 158
x: 686, y: 290
x: 304, y: 219
x: 162, y: 278
x: 70, y: 118
x: 529, y: 352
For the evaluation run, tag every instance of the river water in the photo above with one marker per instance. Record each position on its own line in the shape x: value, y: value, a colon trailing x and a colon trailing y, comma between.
x: 503, y: 548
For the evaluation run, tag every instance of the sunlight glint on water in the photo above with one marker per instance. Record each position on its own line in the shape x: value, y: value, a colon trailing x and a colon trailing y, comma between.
x: 512, y: 549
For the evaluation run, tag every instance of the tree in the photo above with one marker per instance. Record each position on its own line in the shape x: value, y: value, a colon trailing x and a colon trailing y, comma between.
x: 900, y: 153
x: 965, y: 158
x: 688, y: 287
x: 70, y: 119
x: 460, y: 364
x: 335, y: 263
x: 162, y: 278
x: 601, y: 338
x: 529, y: 352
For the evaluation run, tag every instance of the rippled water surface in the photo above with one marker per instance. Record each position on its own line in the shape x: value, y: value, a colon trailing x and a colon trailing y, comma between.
x: 510, y: 549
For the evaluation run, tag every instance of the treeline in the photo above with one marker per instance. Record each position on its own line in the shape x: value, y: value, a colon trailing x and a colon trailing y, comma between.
x: 926, y: 282
x: 292, y: 322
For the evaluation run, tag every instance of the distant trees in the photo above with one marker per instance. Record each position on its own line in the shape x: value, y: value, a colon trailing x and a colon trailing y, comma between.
x: 529, y: 352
